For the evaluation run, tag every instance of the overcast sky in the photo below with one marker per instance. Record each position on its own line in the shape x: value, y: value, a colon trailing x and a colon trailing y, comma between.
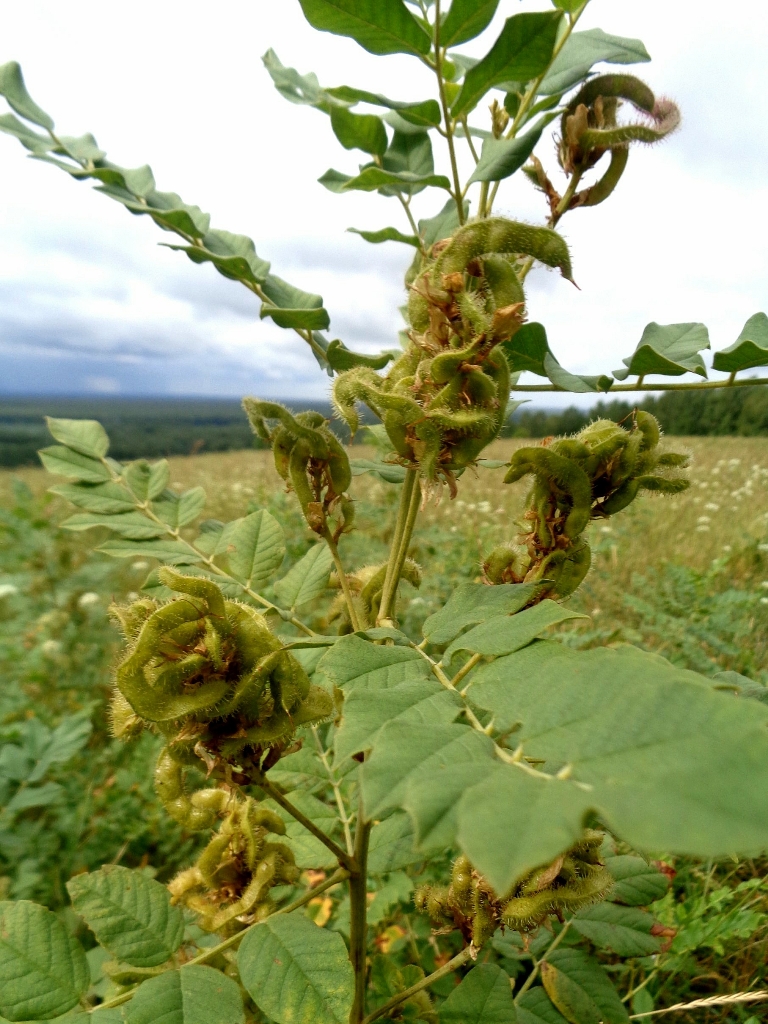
x: 89, y: 304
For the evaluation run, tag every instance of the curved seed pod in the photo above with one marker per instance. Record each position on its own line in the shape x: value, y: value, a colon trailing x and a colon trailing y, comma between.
x: 123, y: 720
x: 573, y: 570
x: 444, y: 367
x: 677, y: 459
x: 621, y: 498
x: 566, y: 475
x: 195, y: 586
x: 461, y: 889
x: 665, y: 120
x: 506, y: 565
x: 626, y: 87
x: 498, y: 236
x: 588, y: 847
x: 664, y: 484
x: 476, y: 318
x: 604, y: 187
x: 503, y: 282
x: 130, y: 618
x: 524, y: 913
x: 302, y: 426
x: 170, y: 787
x: 339, y: 469
x: 483, y: 919
x: 648, y: 426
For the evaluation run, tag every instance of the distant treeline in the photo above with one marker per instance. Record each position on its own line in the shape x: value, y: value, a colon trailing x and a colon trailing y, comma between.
x: 153, y: 428
x: 739, y: 412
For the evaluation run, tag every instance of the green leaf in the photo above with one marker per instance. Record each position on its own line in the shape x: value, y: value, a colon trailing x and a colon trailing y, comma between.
x: 638, y: 884
x: 379, y: 26
x: 43, y: 970
x: 522, y: 51
x: 582, y: 50
x: 106, y: 499
x: 471, y: 603
x: 308, y: 851
x: 15, y: 91
x: 256, y: 548
x: 668, y: 349
x: 374, y: 178
x: 625, y: 931
x: 179, y: 510
x: 527, y: 349
x: 307, y: 579
x: 292, y: 306
x: 392, y: 845
x: 466, y: 19
x: 387, y: 471
x: 147, y: 480
x: 749, y: 349
x: 513, y: 821
x: 435, y: 229
x: 535, y: 1007
x: 502, y: 157
x: 483, y: 997
x: 192, y: 995
x: 580, y: 989
x: 410, y: 153
x: 296, y: 88
x: 35, y: 796
x: 87, y: 437
x: 130, y: 914
x: 297, y: 973
x: 31, y: 140
x: 353, y: 663
x: 234, y: 256
x: 396, y: 890
x: 341, y: 358
x: 386, y: 235
x: 359, y: 131
x: 407, y: 754
x: 172, y: 552
x: 504, y: 634
x: 637, y: 731
x: 131, y: 525
x: 366, y: 712
x: 575, y: 383
x: 66, y: 740
x: 425, y: 114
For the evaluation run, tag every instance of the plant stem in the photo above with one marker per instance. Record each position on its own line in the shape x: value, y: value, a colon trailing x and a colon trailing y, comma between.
x: 406, y: 204
x: 358, y: 924
x: 468, y: 137
x: 453, y: 965
x: 341, y: 855
x: 394, y: 550
x: 703, y: 386
x: 345, y: 820
x: 533, y: 89
x: 466, y: 669
x: 534, y: 973
x: 343, y: 581
x: 457, y: 194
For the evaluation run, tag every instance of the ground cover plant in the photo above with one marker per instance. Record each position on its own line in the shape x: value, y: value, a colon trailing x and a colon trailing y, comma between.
x: 515, y: 786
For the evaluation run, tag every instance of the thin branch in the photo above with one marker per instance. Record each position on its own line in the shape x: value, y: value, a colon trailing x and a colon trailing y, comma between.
x: 708, y: 385
x: 457, y: 194
x: 453, y: 965
x: 358, y: 913
x: 466, y: 669
x: 345, y: 820
x: 343, y: 581
x: 388, y: 597
x: 341, y: 855
x: 537, y: 966
x: 406, y: 494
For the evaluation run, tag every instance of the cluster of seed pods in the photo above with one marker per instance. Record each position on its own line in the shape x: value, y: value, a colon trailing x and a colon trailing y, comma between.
x: 208, y: 674
x: 366, y: 586
x: 592, y: 475
x: 311, y: 460
x: 576, y: 879
x: 229, y: 885
x: 444, y: 399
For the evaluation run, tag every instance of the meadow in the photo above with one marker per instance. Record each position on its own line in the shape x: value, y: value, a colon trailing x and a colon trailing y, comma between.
x: 685, y: 577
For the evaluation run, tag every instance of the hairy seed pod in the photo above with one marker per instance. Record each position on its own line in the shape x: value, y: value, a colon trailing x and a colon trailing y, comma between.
x: 496, y: 235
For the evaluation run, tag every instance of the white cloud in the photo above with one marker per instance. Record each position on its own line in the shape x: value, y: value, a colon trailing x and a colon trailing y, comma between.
x: 85, y: 295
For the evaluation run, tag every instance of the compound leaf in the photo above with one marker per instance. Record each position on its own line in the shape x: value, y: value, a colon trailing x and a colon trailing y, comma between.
x: 392, y: 845
x: 638, y: 884
x: 374, y: 178
x: 522, y: 51
x: 580, y: 989
x: 130, y: 914
x: 366, y: 712
x: 292, y: 307
x: 15, y: 91
x: 192, y: 995
x: 234, y: 256
x: 172, y: 552
x: 500, y: 158
x: 535, y: 1007
x: 65, y: 741
x: 668, y: 349
x: 103, y: 498
x: 43, y: 970
x: 749, y: 349
x: 85, y: 436
x: 256, y: 548
x: 359, y: 131
x: 622, y: 930
x: 354, y: 663
x: 503, y: 634
x: 307, y: 579
x: 296, y: 972
x: 63, y: 461
x: 471, y: 603
x: 131, y: 525
x: 379, y: 26
x: 582, y: 50
x: 483, y: 997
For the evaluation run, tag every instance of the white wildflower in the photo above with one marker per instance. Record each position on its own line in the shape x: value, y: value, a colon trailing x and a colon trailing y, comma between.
x: 87, y: 599
x: 8, y: 589
x: 712, y: 507
x: 50, y: 648
x: 704, y: 519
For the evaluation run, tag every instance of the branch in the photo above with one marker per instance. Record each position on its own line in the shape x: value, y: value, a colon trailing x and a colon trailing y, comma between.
x: 707, y: 385
x: 453, y: 965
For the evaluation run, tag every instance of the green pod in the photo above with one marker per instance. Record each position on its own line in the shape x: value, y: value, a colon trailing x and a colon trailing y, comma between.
x: 194, y: 586
x: 445, y: 366
x: 370, y: 595
x: 570, y: 448
x: 209, y: 860
x: 347, y: 513
x: 524, y: 913
x: 398, y: 434
x: 502, y: 564
x: 282, y: 446
x: 461, y: 889
x: 603, y: 188
x: 338, y: 463
x: 588, y: 847
x: 678, y: 460
x: 298, y: 466
x: 667, y: 121
x: 418, y: 306
x: 473, y: 313
x: 583, y: 891
x: 626, y: 465
x: 503, y: 282
x: 483, y: 921
x: 621, y: 498
x: 561, y: 473
x: 573, y: 569
x: 649, y: 427
x: 252, y: 637
x: 428, y: 447
x: 497, y: 235
x: 130, y: 618
x: 625, y: 87
x: 664, y: 484
x: 170, y: 788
